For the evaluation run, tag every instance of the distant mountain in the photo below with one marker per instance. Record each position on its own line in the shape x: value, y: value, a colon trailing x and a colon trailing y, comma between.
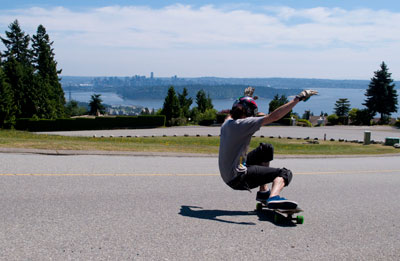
x: 141, y: 87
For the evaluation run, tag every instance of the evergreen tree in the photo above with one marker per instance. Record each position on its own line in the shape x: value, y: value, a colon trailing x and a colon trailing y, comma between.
x: 342, y: 107
x: 185, y: 103
x: 6, y: 103
x: 19, y: 71
x: 203, y: 102
x: 171, y: 107
x: 52, y: 98
x: 95, y: 105
x: 277, y: 102
x: 381, y: 94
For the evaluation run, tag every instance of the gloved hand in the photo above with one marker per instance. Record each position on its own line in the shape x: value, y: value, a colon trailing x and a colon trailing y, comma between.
x: 249, y: 91
x: 306, y: 94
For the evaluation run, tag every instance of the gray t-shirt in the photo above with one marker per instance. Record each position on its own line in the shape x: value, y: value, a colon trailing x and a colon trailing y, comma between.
x: 234, y: 143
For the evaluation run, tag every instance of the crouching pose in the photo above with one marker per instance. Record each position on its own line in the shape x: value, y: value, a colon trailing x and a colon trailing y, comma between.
x: 245, y: 171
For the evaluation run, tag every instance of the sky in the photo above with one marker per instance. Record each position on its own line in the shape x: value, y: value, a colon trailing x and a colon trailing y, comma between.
x: 228, y: 38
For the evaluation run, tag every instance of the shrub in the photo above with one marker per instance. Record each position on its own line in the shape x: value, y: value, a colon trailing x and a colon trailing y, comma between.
x: 333, y: 119
x: 397, y: 124
x: 207, y: 118
x: 221, y: 117
x: 98, y: 123
x: 304, y: 123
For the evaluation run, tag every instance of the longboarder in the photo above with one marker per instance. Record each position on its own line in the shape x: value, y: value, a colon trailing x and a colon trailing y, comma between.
x: 245, y: 171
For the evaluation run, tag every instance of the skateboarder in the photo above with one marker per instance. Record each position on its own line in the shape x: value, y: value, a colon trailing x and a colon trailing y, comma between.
x: 242, y: 171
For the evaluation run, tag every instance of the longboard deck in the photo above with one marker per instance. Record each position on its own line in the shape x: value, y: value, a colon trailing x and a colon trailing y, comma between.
x: 280, y: 214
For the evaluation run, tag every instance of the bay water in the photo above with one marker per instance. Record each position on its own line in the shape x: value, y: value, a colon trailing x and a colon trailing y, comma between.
x: 323, y: 102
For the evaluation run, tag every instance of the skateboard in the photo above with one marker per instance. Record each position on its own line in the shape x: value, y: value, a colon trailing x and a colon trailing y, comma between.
x: 283, y: 214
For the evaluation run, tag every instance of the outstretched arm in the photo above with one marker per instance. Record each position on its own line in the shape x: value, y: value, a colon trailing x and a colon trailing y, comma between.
x: 286, y: 108
x: 280, y: 112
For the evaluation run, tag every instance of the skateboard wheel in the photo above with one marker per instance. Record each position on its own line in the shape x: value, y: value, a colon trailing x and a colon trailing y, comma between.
x: 276, y: 218
x: 300, y: 219
x: 259, y: 206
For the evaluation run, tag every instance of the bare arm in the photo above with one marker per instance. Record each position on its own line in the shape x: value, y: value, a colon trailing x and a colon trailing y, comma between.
x: 280, y: 112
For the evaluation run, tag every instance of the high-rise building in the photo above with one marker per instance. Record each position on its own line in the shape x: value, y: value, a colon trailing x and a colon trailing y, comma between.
x: 151, y: 75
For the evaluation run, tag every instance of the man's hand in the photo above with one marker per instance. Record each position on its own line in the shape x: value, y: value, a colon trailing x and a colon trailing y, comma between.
x: 306, y: 94
x: 249, y: 91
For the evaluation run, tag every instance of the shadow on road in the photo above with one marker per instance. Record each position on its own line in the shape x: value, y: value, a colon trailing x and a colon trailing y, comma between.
x: 198, y: 212
x: 215, y: 214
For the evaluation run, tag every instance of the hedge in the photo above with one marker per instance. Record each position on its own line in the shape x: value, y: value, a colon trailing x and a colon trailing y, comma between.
x: 98, y: 123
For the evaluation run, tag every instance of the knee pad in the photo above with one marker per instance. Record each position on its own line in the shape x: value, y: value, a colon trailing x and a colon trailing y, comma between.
x: 267, y: 151
x: 286, y: 175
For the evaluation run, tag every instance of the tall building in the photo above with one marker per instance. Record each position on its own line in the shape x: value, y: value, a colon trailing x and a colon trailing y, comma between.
x: 151, y: 75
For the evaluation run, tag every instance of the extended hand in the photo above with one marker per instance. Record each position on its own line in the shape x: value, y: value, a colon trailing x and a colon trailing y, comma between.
x: 306, y: 94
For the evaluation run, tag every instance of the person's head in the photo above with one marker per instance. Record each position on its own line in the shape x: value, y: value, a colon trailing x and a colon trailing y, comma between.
x: 244, y: 107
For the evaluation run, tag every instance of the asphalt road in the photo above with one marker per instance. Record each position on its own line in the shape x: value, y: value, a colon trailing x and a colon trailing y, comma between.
x: 378, y: 133
x: 178, y: 208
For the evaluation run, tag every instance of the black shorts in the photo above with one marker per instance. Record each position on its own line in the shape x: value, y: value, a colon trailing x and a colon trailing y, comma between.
x: 257, y: 174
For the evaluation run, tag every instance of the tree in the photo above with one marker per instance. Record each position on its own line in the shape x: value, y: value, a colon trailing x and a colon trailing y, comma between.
x: 203, y: 102
x: 95, y: 105
x: 18, y: 70
x: 360, y: 117
x: 52, y: 98
x: 185, y: 103
x: 381, y: 94
x: 72, y: 108
x: 342, y: 107
x: 171, y: 107
x: 6, y: 103
x: 277, y: 102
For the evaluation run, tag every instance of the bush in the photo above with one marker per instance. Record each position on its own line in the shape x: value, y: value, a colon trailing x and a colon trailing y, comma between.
x: 360, y: 117
x: 397, y: 124
x: 221, y: 117
x: 304, y: 123
x: 207, y: 118
x: 181, y: 121
x: 333, y: 119
x: 285, y: 121
x: 98, y: 123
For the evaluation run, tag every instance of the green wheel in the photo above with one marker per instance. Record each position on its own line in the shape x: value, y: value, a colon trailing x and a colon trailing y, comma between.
x: 259, y: 206
x: 276, y: 218
x: 300, y: 219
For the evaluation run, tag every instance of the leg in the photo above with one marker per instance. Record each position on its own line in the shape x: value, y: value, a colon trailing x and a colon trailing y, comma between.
x: 264, y: 187
x: 277, y: 185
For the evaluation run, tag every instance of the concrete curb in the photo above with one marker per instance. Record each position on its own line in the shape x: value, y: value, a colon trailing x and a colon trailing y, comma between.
x: 166, y: 154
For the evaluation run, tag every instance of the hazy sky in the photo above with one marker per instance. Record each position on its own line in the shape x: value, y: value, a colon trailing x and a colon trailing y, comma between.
x: 229, y: 38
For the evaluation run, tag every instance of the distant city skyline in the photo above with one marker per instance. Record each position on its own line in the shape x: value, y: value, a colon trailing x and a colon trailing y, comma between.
x: 230, y: 38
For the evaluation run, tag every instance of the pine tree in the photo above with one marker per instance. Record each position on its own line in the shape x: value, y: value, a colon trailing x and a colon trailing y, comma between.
x: 381, y: 94
x: 203, y: 102
x: 171, y: 107
x: 278, y: 102
x: 19, y: 71
x: 7, y: 117
x: 52, y: 98
x: 342, y: 107
x: 185, y: 102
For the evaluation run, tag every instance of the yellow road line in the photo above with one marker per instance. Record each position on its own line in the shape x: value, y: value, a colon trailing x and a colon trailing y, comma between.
x: 187, y: 174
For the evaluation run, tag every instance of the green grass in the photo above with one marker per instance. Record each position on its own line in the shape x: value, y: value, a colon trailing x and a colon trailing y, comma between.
x: 202, y: 145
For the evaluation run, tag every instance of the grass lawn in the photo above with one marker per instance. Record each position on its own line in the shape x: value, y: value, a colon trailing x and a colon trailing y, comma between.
x: 21, y: 139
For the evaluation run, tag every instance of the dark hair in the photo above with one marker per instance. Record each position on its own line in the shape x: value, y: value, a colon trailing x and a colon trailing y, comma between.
x: 238, y: 112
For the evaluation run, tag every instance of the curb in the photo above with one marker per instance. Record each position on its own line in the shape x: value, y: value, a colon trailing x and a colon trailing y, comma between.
x: 167, y: 154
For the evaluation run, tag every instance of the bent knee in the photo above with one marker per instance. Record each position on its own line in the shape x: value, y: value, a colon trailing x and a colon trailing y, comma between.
x: 286, y: 174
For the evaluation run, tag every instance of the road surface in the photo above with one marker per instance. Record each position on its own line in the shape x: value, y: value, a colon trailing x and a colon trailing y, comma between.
x: 177, y: 208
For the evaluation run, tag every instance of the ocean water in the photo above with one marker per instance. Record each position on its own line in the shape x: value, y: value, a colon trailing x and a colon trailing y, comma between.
x: 323, y: 102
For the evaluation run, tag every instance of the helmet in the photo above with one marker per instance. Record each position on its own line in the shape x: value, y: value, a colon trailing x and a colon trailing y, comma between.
x: 249, y: 105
